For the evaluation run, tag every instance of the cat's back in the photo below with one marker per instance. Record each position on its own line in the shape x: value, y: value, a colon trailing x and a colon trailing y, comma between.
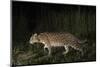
x: 58, y: 37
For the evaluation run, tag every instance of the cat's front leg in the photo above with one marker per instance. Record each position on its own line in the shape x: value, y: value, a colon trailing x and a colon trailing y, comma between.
x: 49, y: 51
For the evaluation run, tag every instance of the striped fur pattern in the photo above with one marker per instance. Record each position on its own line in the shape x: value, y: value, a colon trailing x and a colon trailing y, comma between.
x: 55, y: 39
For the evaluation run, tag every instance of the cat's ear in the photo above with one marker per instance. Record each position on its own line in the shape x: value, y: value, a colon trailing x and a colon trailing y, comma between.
x: 35, y: 35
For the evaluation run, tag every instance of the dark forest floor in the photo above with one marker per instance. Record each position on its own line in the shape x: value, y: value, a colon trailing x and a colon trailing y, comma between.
x: 26, y: 54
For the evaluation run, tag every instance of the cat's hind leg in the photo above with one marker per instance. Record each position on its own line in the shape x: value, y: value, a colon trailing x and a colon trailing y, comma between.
x: 66, y: 49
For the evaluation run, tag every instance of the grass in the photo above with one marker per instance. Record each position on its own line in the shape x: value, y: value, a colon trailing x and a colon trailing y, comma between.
x: 26, y: 54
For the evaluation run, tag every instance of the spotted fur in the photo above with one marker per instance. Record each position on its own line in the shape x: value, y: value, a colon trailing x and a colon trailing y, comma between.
x: 55, y: 39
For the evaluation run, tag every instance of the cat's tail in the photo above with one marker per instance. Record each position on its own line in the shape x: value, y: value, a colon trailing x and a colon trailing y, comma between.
x: 82, y: 41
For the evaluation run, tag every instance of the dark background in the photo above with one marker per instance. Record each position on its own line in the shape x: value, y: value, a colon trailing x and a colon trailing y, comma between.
x: 31, y: 17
